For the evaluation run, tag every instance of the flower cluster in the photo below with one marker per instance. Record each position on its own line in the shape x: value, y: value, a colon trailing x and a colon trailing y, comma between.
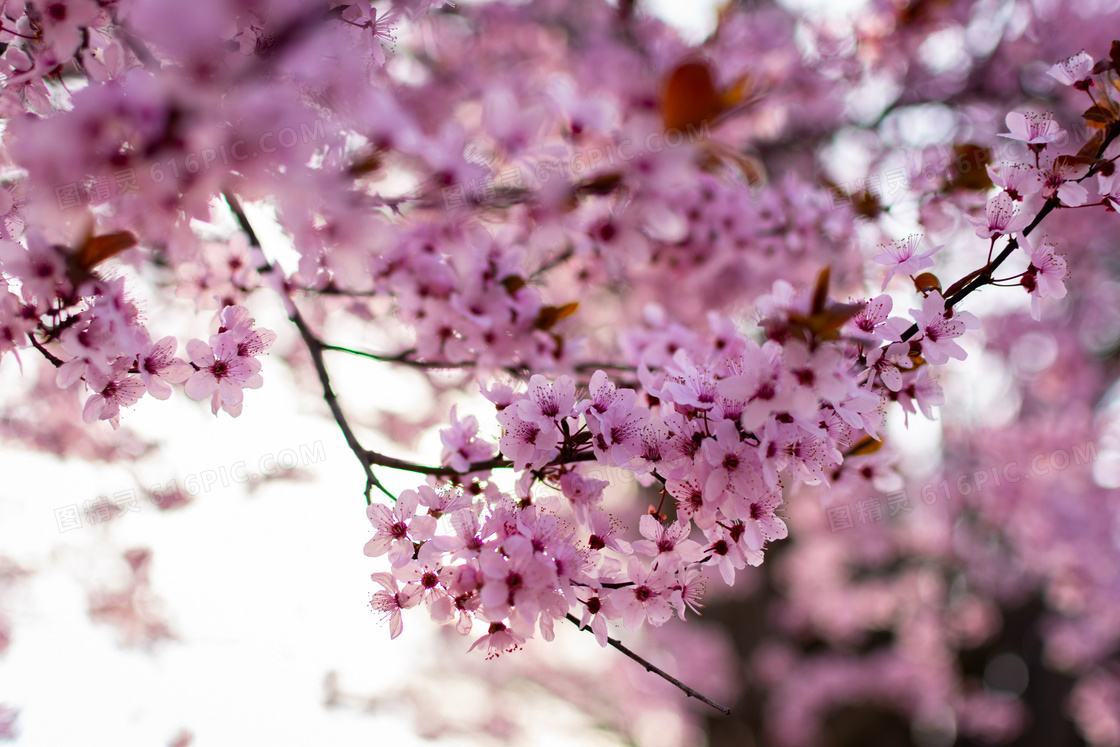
x: 228, y: 362
x: 473, y: 303
x: 720, y: 421
x: 102, y: 341
x: 1050, y: 181
x: 570, y: 195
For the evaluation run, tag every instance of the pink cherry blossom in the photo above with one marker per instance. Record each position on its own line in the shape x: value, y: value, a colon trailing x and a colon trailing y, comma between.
x: 444, y: 501
x: 733, y: 548
x: 731, y: 459
x: 598, y: 608
x: 526, y: 443
x: 605, y: 532
x: 1000, y: 218
x: 221, y: 373
x: 547, y: 404
x: 938, y: 329
x: 250, y: 342
x: 667, y: 543
x: 158, y: 367
x: 1045, y: 277
x: 1018, y: 180
x: 647, y: 600
x: 427, y: 577
x: 518, y: 581
x: 1037, y: 130
x: 693, y: 388
x: 398, y: 529
x: 605, y: 396
x: 392, y: 600
x: 689, y: 591
x: 499, y: 638
x: 918, y: 388
x: 111, y: 391
x: 461, y: 444
x: 763, y: 384
x: 888, y: 363
x: 468, y: 541
x: 584, y: 492
x: 902, y: 256
x: 1074, y: 71
x: 617, y: 436
x: 17, y: 321
x: 869, y: 320
x: 691, y: 501
x: 1060, y: 178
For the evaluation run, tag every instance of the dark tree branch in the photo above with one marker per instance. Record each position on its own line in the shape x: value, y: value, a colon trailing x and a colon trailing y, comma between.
x: 315, y: 348
x: 484, y: 466
x: 656, y: 670
x: 985, y: 277
x: 55, y: 360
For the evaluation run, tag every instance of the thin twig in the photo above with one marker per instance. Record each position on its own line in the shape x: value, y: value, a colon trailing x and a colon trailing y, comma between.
x: 585, y: 367
x: 400, y: 358
x: 656, y: 670
x: 556, y: 261
x: 332, y: 290
x: 485, y: 466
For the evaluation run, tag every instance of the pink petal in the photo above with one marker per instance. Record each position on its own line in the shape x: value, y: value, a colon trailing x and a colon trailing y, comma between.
x: 93, y: 409
x: 201, y: 384
x: 200, y: 353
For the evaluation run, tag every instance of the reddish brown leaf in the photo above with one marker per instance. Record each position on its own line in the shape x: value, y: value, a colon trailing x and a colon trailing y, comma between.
x: 366, y: 164
x: 97, y: 249
x: 826, y: 324
x: 958, y: 286
x: 1092, y: 147
x: 967, y: 169
x: 691, y: 98
x: 513, y: 283
x: 1099, y: 117
x: 866, y: 204
x: 550, y: 315
x: 865, y: 446
x: 820, y: 292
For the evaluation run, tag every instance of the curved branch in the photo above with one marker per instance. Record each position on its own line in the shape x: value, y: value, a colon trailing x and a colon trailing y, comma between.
x: 315, y: 348
x: 55, y: 360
